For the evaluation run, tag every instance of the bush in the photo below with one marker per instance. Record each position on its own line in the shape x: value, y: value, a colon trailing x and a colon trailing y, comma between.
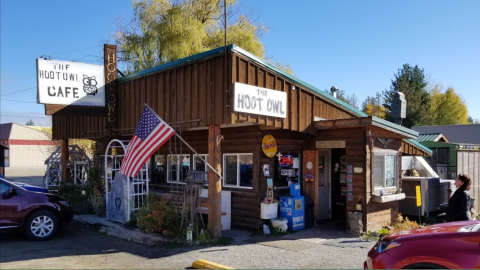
x: 158, y: 216
x: 401, y: 224
x: 76, y: 197
x: 85, y: 199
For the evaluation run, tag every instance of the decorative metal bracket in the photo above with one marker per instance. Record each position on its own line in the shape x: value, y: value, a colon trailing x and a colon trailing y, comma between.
x: 384, y: 141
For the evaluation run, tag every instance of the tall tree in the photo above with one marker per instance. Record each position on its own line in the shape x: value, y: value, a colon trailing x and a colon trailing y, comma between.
x: 411, y: 82
x: 447, y: 108
x: 162, y: 31
x: 343, y: 96
x: 373, y: 106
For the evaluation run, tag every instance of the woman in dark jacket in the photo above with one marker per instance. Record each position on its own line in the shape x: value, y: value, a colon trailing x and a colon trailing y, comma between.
x: 459, y: 203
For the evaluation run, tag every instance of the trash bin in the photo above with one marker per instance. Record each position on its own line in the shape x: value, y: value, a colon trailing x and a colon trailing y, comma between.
x: 309, y: 215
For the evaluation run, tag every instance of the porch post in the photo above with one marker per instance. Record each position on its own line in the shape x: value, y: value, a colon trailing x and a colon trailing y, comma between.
x: 65, y: 157
x: 214, y: 182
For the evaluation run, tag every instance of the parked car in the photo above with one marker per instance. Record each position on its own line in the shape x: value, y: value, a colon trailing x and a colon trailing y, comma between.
x: 31, y: 188
x: 452, y: 245
x: 39, y: 215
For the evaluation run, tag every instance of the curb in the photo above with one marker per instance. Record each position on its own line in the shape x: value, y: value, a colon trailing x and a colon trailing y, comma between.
x: 119, y: 230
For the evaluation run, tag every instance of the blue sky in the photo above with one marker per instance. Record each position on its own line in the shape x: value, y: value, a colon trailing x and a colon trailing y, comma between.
x: 356, y: 45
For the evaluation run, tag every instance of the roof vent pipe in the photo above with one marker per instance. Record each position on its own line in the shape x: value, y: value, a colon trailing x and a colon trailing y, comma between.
x: 334, y: 90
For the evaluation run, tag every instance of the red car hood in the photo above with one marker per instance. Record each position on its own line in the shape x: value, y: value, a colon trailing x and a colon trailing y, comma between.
x: 449, y: 227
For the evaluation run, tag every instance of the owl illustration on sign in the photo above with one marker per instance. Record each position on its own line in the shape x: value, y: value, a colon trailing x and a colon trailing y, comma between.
x: 90, y: 85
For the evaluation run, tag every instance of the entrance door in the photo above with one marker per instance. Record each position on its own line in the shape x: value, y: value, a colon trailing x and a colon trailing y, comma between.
x: 339, y: 185
x: 324, y: 184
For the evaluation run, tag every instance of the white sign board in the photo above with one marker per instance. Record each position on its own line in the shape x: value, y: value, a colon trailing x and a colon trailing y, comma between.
x: 70, y: 83
x: 257, y: 100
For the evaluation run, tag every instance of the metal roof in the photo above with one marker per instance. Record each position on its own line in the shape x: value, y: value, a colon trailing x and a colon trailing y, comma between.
x: 454, y: 133
x: 376, y: 121
x: 435, y: 137
x: 421, y: 146
x: 234, y: 48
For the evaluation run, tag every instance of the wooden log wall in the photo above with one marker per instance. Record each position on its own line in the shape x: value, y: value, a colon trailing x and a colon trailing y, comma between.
x: 355, y: 155
x: 379, y: 214
x: 197, y: 90
x: 303, y: 104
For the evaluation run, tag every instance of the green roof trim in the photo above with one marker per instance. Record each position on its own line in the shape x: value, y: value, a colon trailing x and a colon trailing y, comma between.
x: 178, y: 62
x: 419, y: 145
x: 297, y: 81
x: 256, y: 59
x: 394, y: 127
x: 428, y: 137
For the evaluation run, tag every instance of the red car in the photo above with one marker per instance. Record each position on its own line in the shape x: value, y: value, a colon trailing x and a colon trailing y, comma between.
x: 39, y: 215
x: 452, y: 245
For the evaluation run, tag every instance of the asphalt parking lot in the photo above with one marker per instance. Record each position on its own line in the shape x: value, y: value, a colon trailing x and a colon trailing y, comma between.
x: 79, y: 246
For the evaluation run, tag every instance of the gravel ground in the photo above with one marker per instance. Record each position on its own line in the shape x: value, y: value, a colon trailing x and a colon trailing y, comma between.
x: 79, y: 246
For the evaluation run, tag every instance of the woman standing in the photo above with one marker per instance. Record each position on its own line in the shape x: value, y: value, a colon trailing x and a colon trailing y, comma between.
x: 459, y: 203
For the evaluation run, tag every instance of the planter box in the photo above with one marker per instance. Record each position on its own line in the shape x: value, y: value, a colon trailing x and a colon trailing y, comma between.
x: 268, y: 210
x: 388, y: 198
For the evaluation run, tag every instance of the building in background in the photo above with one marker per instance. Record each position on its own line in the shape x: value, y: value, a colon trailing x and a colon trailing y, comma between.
x: 23, y: 146
x: 455, y: 150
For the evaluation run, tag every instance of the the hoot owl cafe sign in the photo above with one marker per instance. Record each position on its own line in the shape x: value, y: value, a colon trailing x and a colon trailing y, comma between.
x: 257, y: 100
x: 70, y: 83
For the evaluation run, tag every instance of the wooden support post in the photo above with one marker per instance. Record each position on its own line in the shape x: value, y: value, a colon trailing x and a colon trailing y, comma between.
x: 65, y: 158
x: 214, y: 182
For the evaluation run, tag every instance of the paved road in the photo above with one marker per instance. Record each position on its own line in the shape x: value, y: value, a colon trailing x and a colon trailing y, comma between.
x: 28, y: 175
x: 78, y: 246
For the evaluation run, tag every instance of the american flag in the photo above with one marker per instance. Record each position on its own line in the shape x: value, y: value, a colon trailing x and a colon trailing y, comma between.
x: 150, y: 134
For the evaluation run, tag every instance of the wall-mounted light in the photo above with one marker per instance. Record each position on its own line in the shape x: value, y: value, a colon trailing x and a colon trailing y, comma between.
x: 293, y: 87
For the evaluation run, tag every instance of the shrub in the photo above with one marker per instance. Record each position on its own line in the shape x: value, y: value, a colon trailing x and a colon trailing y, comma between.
x: 85, y: 199
x: 158, y: 216
x: 401, y: 224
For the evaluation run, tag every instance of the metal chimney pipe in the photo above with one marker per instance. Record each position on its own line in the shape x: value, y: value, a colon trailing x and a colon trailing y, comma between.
x: 334, y: 90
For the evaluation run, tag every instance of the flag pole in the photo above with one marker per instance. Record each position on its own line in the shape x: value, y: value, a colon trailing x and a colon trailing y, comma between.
x: 189, y: 146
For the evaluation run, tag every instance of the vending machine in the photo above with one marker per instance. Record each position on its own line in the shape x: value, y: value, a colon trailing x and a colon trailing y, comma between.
x: 293, y: 208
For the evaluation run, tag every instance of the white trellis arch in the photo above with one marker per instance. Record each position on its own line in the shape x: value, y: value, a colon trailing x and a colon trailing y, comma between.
x: 134, y: 188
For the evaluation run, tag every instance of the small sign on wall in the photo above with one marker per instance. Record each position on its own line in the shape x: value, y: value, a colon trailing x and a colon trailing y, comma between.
x: 330, y: 144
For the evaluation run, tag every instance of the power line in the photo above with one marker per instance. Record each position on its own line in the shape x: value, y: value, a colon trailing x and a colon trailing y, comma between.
x: 71, y: 50
x: 25, y: 116
x: 18, y: 91
x: 18, y: 101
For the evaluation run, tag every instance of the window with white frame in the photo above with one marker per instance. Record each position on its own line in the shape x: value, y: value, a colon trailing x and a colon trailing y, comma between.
x: 177, y: 168
x: 199, y: 164
x: 384, y: 169
x: 238, y: 170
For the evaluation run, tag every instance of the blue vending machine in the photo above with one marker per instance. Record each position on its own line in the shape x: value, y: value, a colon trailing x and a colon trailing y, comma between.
x: 293, y: 208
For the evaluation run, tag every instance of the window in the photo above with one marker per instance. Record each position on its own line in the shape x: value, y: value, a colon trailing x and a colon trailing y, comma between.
x: 199, y: 164
x: 4, y: 188
x: 384, y: 169
x: 238, y: 170
x: 178, y: 167
x: 6, y: 154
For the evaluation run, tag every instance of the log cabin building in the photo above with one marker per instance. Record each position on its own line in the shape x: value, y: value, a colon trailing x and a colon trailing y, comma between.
x: 223, y: 102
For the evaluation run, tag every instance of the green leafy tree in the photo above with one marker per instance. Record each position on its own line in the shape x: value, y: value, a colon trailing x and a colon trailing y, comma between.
x: 162, y: 31
x: 373, y: 106
x: 343, y: 96
x: 30, y: 123
x: 447, y: 108
x: 411, y: 82
x: 473, y: 121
